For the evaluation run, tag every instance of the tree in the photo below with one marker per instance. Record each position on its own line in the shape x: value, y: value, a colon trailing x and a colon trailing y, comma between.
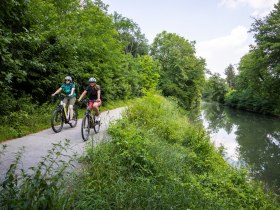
x: 216, y: 88
x: 13, y: 25
x: 230, y: 76
x: 130, y: 35
x: 258, y: 80
x: 267, y: 36
x: 182, y: 74
x: 148, y: 73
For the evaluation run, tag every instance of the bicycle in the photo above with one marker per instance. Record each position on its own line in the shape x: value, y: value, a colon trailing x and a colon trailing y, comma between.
x: 61, y: 116
x: 89, y: 122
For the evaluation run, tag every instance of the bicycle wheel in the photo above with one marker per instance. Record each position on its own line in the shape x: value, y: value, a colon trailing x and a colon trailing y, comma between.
x: 85, y: 128
x: 75, y: 117
x: 96, y: 126
x: 57, y: 120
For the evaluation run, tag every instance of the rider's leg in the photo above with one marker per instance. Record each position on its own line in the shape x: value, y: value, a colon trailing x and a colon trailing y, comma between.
x: 95, y: 107
x: 71, y: 111
x: 65, y: 101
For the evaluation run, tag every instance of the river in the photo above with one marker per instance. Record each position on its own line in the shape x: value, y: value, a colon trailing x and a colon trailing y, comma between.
x: 248, y: 139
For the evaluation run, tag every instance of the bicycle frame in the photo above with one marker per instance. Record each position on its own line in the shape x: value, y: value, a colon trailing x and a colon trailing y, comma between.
x: 88, y: 123
x: 61, y: 115
x: 88, y: 112
x: 62, y: 107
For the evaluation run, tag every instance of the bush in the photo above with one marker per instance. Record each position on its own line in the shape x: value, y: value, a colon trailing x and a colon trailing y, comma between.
x: 25, y: 117
x: 7, y: 103
x: 249, y: 101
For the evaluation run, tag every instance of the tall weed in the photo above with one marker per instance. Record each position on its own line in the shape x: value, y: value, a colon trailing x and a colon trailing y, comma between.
x: 41, y: 187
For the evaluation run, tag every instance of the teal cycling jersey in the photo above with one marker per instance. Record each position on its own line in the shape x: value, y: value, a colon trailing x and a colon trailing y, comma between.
x: 66, y: 88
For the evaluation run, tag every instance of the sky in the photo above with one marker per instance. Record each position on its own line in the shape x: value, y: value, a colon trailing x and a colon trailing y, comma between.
x: 219, y: 27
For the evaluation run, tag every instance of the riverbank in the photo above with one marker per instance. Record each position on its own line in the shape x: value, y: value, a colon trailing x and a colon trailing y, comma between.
x: 249, y: 102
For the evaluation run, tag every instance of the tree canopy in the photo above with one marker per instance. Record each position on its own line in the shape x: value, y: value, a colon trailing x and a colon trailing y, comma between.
x: 42, y: 41
x: 182, y: 73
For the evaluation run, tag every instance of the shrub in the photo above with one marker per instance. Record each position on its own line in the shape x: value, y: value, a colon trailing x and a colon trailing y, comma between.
x: 27, y: 117
x: 247, y: 100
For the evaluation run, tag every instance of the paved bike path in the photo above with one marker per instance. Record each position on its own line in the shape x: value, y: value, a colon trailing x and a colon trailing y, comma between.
x: 37, y: 145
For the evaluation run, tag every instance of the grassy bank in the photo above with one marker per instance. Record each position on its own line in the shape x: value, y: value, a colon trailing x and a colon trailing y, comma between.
x: 158, y: 160
x: 28, y: 118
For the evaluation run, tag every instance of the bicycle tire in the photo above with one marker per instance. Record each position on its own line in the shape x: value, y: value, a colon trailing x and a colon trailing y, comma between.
x: 57, y: 120
x: 85, y: 128
x: 96, y: 126
x: 75, y: 117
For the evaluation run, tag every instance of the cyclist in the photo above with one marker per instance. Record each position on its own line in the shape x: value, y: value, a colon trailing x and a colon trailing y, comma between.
x: 68, y: 88
x: 94, y: 92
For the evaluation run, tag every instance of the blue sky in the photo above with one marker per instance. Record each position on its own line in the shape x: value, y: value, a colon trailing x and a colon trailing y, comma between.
x: 219, y: 27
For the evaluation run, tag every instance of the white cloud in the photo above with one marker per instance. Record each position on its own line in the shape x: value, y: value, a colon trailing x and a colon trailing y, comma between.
x: 225, y: 50
x: 260, y: 14
x: 255, y: 4
x: 261, y: 8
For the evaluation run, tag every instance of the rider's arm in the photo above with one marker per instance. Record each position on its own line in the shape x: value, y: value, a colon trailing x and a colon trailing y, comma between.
x: 81, y: 96
x: 57, y: 91
x: 72, y: 91
x: 98, y: 94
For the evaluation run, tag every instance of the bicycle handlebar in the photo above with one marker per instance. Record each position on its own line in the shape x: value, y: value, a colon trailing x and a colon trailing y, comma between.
x: 87, y: 100
x: 59, y: 96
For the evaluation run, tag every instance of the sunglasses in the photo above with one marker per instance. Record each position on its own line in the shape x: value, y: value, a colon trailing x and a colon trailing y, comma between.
x: 92, y: 82
x: 67, y: 80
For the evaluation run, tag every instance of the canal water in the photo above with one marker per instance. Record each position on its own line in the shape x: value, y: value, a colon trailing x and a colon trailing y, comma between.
x: 248, y: 139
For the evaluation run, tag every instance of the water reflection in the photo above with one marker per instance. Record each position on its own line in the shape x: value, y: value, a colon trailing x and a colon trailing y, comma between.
x: 248, y: 138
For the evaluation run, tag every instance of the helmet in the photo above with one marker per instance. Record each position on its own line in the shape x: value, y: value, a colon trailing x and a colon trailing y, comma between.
x: 92, y: 79
x: 68, y: 78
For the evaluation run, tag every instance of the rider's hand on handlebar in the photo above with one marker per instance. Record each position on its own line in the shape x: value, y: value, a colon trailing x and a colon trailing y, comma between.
x: 98, y: 100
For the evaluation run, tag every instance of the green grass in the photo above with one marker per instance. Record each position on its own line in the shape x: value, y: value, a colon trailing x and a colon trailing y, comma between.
x: 30, y: 119
x: 157, y: 159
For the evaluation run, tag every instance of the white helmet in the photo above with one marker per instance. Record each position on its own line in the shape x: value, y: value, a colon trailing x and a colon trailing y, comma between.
x: 92, y: 79
x: 68, y: 78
